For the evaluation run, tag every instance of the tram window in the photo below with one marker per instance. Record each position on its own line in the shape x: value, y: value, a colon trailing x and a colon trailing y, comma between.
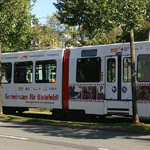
x: 143, y: 69
x: 6, y: 72
x: 23, y: 72
x: 45, y: 71
x: 86, y: 53
x: 111, y: 70
x: 88, y: 69
x: 127, y: 69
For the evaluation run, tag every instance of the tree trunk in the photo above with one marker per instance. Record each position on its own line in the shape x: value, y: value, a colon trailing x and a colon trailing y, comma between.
x: 0, y: 83
x: 133, y: 83
x: 81, y: 35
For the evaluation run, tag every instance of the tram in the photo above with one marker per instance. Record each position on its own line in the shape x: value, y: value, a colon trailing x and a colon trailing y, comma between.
x: 93, y: 79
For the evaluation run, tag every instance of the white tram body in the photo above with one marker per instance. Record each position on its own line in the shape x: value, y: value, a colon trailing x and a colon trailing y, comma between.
x: 93, y: 79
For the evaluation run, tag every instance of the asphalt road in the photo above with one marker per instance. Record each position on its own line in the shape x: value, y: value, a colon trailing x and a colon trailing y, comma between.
x: 20, y: 136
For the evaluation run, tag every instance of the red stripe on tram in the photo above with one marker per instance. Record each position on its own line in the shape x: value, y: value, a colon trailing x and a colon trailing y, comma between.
x: 65, y: 86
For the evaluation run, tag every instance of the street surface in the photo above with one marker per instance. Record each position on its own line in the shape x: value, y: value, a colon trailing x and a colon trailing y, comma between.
x: 19, y: 136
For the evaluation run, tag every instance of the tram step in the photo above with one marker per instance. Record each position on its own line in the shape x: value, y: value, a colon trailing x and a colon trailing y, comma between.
x: 118, y: 111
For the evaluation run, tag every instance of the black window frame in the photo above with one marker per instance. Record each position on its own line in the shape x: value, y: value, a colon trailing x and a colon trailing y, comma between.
x: 111, y: 71
x: 138, y: 68
x: 128, y: 81
x: 10, y: 73
x: 81, y: 80
x: 15, y: 75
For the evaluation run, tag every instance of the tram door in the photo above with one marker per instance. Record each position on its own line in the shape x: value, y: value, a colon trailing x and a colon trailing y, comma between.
x: 118, y: 77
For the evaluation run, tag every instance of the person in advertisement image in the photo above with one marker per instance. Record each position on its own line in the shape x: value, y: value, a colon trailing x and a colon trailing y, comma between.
x: 100, y: 93
x: 75, y: 92
x: 143, y: 93
x: 86, y: 92
x: 89, y: 92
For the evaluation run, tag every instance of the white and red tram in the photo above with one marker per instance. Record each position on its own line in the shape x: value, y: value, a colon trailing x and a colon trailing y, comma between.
x: 93, y: 79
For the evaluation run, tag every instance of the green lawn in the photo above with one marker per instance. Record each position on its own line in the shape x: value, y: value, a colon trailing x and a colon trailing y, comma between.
x: 108, y: 122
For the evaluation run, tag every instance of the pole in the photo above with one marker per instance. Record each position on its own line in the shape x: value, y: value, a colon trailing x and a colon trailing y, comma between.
x: 1, y: 111
x: 133, y: 83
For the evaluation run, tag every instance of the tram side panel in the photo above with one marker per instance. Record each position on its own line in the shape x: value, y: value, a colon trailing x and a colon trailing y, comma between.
x: 80, y: 91
x: 86, y: 85
x: 143, y: 78
x: 36, y: 80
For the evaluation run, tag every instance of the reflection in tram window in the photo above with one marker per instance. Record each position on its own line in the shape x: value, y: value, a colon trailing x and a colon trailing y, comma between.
x: 23, y: 72
x: 6, y: 72
x: 45, y: 71
x: 143, y: 68
x: 111, y: 70
x: 127, y: 69
x: 88, y: 69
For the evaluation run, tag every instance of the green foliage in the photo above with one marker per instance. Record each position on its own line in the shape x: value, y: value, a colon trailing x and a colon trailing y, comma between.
x: 96, y: 20
x: 131, y: 13
x: 15, y: 23
x: 141, y: 33
x: 49, y: 36
x: 91, y: 19
x: 71, y: 13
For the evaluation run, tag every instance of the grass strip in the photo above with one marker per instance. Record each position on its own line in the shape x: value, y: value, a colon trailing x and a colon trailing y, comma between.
x: 130, y: 126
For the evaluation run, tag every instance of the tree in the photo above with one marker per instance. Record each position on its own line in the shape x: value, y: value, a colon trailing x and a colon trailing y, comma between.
x: 15, y: 23
x: 71, y: 13
x: 57, y: 30
x: 141, y: 33
x: 112, y: 36
x: 92, y: 20
x: 48, y: 36
x: 0, y: 84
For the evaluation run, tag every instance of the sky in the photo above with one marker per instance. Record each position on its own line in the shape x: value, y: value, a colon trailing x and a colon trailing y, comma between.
x: 43, y: 8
